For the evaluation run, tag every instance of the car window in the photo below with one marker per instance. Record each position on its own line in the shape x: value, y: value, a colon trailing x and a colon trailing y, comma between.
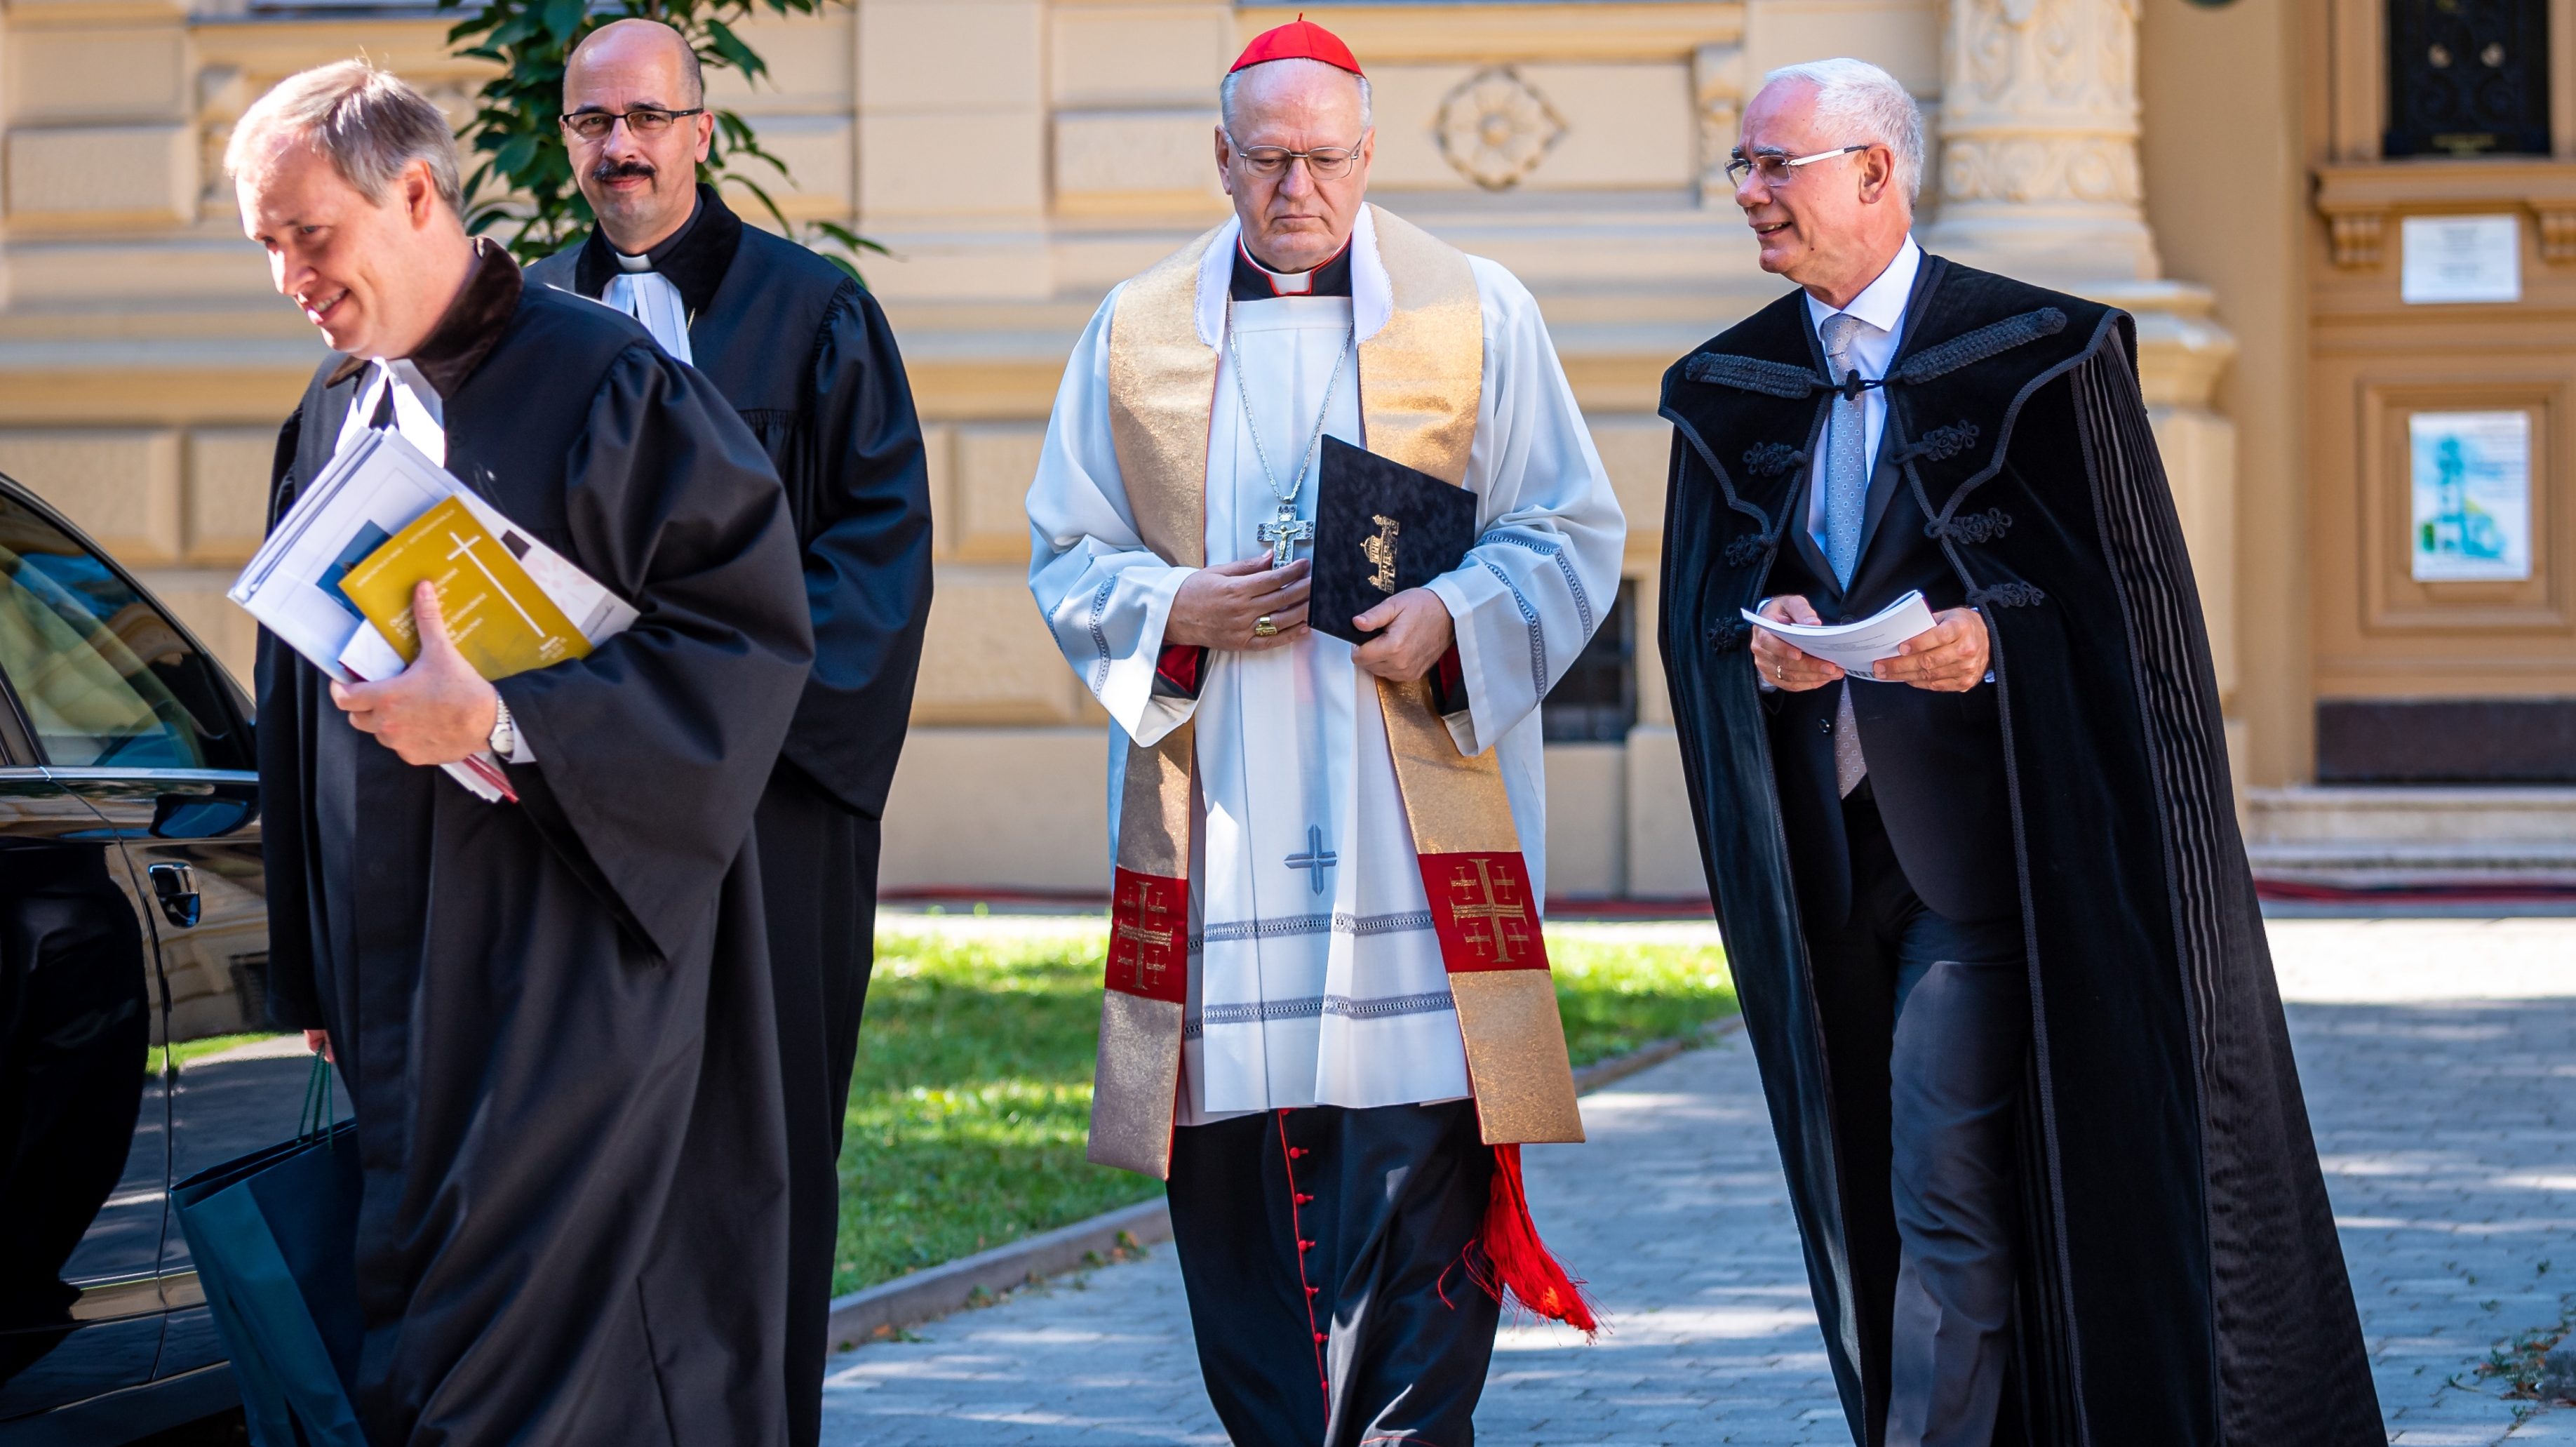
x: 104, y: 678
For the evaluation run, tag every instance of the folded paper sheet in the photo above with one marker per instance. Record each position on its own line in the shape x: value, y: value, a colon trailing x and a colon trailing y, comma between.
x: 1853, y: 647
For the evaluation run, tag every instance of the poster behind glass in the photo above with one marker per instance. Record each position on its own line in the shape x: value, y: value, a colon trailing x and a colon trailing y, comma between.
x: 2472, y: 496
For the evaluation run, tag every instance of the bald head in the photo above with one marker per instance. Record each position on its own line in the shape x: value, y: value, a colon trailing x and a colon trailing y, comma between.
x: 632, y: 43
x: 640, y: 174
x: 1295, y: 82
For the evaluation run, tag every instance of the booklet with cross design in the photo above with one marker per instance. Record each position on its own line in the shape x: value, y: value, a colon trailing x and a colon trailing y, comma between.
x: 1380, y: 527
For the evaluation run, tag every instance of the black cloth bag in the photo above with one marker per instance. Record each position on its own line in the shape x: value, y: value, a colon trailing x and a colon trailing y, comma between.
x: 274, y: 1235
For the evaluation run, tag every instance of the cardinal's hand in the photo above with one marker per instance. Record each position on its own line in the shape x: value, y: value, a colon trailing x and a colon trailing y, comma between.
x: 439, y: 710
x: 1418, y: 631
x: 1222, y: 605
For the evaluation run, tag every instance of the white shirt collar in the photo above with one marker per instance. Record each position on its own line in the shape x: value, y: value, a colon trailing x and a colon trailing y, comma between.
x: 1372, y: 291
x: 1882, y: 302
x: 1286, y: 283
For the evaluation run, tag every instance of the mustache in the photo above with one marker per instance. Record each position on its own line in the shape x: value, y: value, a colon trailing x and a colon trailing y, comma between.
x: 619, y: 170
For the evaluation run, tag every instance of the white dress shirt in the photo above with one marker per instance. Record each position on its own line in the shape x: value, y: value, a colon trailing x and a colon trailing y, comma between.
x: 1880, y: 308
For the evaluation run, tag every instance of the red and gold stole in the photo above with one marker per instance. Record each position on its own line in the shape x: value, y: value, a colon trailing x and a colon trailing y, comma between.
x: 1421, y: 377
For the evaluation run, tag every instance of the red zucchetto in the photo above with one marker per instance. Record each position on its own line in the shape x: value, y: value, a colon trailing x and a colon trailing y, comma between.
x: 1299, y: 39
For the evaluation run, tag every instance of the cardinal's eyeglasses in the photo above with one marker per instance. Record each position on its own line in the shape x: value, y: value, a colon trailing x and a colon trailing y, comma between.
x: 1779, y: 170
x: 641, y: 122
x: 1269, y: 163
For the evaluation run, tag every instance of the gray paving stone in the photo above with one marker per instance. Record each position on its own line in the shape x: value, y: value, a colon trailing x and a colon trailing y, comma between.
x: 2439, y: 1059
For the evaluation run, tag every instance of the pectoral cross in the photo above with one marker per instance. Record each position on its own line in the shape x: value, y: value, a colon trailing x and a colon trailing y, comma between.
x: 1284, y: 533
x: 1496, y: 910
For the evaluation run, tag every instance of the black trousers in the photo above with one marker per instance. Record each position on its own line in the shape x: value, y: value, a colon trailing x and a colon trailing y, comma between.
x: 1321, y: 1251
x: 1948, y: 1003
x: 818, y: 879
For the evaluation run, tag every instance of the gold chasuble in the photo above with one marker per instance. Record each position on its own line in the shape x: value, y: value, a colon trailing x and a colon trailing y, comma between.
x: 1421, y: 377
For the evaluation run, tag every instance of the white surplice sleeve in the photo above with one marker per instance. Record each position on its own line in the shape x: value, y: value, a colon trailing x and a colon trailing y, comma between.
x: 1105, y: 594
x: 1545, y: 567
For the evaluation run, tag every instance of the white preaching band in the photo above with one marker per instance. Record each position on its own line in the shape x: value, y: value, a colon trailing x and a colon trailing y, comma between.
x: 653, y: 299
x: 1316, y: 978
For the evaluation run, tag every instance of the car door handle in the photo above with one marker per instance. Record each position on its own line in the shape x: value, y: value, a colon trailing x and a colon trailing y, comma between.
x: 175, y: 885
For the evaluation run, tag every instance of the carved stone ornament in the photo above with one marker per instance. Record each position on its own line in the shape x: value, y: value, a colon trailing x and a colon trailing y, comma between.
x: 1495, y: 128
x: 1717, y: 86
x: 2039, y: 169
x: 2026, y: 168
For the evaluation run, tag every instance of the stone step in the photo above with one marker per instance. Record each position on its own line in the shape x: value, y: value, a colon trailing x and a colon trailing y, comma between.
x: 2377, y: 838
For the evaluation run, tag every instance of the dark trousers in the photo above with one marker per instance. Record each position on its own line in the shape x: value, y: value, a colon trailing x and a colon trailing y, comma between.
x: 818, y: 879
x: 1321, y: 1251
x: 1948, y: 1002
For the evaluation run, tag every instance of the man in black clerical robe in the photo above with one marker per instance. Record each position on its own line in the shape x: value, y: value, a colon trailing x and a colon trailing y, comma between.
x: 803, y: 352
x: 553, y: 1016
x: 2126, y: 1118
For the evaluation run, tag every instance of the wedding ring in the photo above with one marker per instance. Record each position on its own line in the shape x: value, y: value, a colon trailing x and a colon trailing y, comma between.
x: 1262, y: 627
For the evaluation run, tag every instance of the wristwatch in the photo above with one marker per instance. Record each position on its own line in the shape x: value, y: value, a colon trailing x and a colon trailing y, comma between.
x: 505, y: 732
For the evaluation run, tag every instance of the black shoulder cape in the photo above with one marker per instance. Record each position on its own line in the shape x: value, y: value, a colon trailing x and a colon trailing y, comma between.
x: 805, y: 355
x: 554, y: 1018
x: 2182, y: 1281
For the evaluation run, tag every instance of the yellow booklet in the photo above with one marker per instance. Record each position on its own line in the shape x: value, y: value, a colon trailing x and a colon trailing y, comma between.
x: 501, y: 620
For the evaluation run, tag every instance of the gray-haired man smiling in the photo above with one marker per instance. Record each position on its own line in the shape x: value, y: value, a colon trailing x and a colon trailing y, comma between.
x: 1986, y: 906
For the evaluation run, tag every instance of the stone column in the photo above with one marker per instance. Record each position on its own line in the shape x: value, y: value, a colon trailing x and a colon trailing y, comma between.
x: 2039, y: 178
x: 2039, y: 140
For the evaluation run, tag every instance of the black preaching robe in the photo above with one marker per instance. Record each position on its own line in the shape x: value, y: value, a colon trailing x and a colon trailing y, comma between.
x: 2181, y: 1278
x: 804, y: 354
x: 554, y: 1018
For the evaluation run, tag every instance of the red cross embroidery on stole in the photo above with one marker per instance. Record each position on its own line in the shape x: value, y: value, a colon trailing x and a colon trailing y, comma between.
x: 1148, y: 936
x: 1482, y: 910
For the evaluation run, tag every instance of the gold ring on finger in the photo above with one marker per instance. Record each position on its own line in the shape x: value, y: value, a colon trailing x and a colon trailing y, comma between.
x: 1262, y: 627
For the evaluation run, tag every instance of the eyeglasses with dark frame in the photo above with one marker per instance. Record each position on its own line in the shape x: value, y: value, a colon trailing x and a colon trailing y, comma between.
x: 1269, y: 163
x: 641, y: 121
x: 1779, y: 170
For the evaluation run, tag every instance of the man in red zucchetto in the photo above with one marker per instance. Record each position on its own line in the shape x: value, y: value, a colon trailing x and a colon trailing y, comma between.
x: 1328, y: 1021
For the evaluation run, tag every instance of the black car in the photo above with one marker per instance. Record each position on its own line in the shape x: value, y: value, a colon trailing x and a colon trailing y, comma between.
x: 135, y: 1048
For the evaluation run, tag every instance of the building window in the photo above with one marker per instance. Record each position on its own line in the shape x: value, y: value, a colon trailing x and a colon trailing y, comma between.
x: 1596, y: 700
x: 2468, y: 78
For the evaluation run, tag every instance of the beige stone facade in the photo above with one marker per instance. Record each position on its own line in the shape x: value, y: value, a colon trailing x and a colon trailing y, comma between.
x: 1021, y: 156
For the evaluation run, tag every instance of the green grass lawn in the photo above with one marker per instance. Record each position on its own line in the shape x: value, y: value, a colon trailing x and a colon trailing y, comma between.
x: 974, y: 1079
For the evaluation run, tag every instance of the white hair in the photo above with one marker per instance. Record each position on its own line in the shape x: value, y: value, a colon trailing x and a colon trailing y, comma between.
x: 1225, y: 91
x: 369, y: 122
x: 1858, y: 102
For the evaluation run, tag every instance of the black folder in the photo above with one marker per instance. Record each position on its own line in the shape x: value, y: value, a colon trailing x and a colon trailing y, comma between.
x: 1380, y: 528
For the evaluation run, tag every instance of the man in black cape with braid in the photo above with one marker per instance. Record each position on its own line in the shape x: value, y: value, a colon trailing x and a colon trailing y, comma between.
x: 1987, y: 910
x: 805, y: 355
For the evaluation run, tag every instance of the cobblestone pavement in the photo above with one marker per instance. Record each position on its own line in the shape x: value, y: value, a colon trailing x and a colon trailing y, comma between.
x: 2440, y: 1062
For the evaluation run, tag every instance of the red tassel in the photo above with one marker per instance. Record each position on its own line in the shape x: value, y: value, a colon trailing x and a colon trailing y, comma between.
x: 1517, y: 1261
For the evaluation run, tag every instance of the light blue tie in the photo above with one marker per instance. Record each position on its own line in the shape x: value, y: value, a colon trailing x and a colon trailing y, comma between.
x: 1846, y: 499
x: 1846, y: 455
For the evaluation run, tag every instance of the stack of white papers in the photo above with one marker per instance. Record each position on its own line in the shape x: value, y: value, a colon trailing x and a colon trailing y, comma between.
x: 1853, y: 647
x: 369, y: 492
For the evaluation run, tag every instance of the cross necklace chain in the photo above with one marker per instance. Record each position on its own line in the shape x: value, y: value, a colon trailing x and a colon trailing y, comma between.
x: 1284, y: 532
